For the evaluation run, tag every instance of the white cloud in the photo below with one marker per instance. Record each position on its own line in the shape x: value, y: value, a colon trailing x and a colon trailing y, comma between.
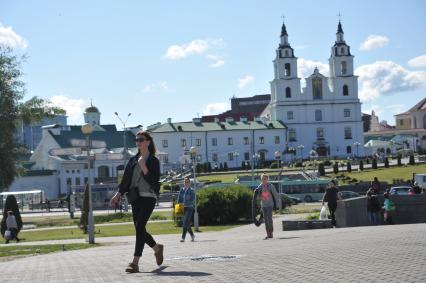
x: 162, y: 86
x: 419, y: 61
x: 306, y: 68
x: 9, y: 38
x: 197, y: 46
x: 216, y: 108
x: 386, y: 78
x: 74, y: 107
x: 246, y: 80
x: 373, y: 42
x: 217, y: 61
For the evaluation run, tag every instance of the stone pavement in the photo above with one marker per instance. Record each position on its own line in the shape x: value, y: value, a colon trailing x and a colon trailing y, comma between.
x: 362, y: 254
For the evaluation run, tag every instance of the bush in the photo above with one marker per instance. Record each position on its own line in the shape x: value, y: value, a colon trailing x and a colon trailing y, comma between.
x: 374, y: 163
x: 349, y: 167
x: 336, y: 167
x: 321, y: 169
x: 217, y: 206
x: 11, y: 205
x: 220, y: 167
x: 327, y: 163
x: 298, y: 164
x: 386, y: 162
x: 361, y: 165
x: 411, y: 162
x: 225, y: 166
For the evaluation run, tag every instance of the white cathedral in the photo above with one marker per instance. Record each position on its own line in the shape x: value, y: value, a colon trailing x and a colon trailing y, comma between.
x: 326, y: 115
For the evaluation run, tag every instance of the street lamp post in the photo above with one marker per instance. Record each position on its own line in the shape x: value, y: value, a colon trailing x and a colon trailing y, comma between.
x: 124, y: 135
x: 277, y: 155
x: 301, y: 147
x: 236, y: 154
x: 357, y: 145
x: 193, y: 151
x: 87, y: 131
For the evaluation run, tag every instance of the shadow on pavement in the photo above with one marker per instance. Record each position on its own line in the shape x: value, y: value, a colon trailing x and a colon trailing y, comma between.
x: 287, y: 238
x: 160, y: 271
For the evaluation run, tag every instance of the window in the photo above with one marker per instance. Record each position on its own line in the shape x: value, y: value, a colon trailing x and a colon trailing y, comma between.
x: 86, y: 180
x: 165, y: 159
x: 342, y: 50
x: 77, y: 181
x: 230, y: 141
x: 165, y: 143
x: 401, y: 123
x: 277, y: 139
x: 347, y: 113
x: 198, y: 142
x: 230, y: 156
x: 345, y: 90
x: 287, y: 69
x: 320, y: 133
x: 287, y: 92
x: 317, y: 88
x: 292, y: 135
x: 343, y: 66
x: 318, y: 115
x: 214, y: 156
x: 348, y: 133
x: 261, y: 140
x: 246, y: 140
x: 183, y: 142
x: 349, y: 149
x: 286, y: 53
x: 289, y: 115
x: 246, y: 155
x: 69, y: 181
x: 214, y: 141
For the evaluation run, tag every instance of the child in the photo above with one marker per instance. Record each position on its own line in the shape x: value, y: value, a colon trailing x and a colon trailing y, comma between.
x: 389, y: 207
x: 268, y: 195
x: 12, y: 226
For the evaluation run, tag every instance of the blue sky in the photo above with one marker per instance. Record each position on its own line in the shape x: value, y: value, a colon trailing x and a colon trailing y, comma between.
x: 180, y: 59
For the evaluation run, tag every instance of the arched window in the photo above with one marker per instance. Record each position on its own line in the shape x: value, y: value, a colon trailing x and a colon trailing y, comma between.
x: 286, y: 53
x: 424, y: 121
x: 317, y: 88
x: 345, y: 90
x: 103, y: 171
x: 287, y: 69
x: 343, y: 67
x: 342, y: 50
x: 288, y: 92
x: 320, y: 133
x: 349, y: 149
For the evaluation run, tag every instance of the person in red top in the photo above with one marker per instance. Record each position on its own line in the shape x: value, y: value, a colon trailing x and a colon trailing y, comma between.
x: 375, y: 185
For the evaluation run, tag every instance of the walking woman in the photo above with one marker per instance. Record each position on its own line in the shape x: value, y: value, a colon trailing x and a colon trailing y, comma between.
x: 141, y: 184
x: 268, y: 197
x: 187, y: 198
x: 331, y: 196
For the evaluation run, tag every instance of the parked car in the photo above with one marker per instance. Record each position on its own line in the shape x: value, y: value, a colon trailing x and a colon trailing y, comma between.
x: 286, y: 199
x: 348, y: 194
x: 399, y: 190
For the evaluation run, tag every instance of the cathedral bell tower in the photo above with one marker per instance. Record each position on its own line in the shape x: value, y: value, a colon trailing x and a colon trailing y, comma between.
x: 341, y: 60
x: 285, y: 85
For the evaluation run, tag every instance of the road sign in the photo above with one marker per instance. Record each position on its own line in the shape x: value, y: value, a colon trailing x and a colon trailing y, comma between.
x: 65, y: 151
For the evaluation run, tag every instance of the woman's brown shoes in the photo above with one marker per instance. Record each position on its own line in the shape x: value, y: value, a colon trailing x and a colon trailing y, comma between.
x: 132, y: 268
x: 159, y: 255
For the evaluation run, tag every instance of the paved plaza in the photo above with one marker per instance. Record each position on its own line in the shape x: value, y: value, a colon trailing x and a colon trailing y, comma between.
x: 363, y: 254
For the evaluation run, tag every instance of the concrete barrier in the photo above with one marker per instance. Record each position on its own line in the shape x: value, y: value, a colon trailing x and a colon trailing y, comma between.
x: 409, y: 209
x: 290, y: 225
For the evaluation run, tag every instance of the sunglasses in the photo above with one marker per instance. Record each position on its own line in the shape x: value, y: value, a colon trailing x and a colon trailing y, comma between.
x: 140, y: 139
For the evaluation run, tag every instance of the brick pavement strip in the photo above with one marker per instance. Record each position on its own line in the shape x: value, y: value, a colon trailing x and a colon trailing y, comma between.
x: 361, y: 254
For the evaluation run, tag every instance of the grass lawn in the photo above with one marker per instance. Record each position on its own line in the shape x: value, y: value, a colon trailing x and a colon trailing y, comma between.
x: 384, y: 174
x: 112, y: 231
x: 63, y: 220
x: 41, y: 249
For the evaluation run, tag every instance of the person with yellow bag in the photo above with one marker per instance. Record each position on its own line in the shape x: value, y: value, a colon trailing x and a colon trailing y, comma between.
x: 187, y: 198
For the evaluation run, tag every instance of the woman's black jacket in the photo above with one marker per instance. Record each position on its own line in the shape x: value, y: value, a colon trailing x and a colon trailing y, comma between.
x: 152, y: 177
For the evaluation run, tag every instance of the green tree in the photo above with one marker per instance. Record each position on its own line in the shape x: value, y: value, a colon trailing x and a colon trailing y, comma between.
x: 225, y: 166
x: 411, y: 160
x: 336, y: 167
x: 374, y: 163
x: 349, y: 167
x: 361, y: 165
x: 13, y: 112
x: 386, y: 162
x: 321, y: 169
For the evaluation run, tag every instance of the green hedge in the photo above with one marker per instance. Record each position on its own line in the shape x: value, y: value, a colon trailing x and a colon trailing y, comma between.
x: 217, y: 206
